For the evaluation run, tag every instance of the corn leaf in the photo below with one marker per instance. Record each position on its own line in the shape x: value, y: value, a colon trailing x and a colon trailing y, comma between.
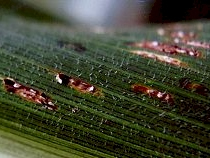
x: 121, y: 123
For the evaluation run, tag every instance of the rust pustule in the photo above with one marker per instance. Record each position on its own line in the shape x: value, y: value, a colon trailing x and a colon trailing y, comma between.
x: 187, y: 84
x: 185, y: 37
x: 166, y: 48
x: 161, y: 58
x: 78, y: 84
x: 200, y: 44
x: 29, y: 94
x: 154, y: 93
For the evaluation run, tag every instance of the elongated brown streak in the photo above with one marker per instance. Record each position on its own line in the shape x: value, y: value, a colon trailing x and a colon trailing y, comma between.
x: 188, y: 38
x: 162, y: 96
x: 161, y: 58
x: 29, y: 94
x: 78, y: 84
x: 187, y: 84
x: 200, y: 44
x: 166, y: 48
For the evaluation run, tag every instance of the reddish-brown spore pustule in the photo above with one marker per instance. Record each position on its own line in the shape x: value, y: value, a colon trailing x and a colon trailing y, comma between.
x: 166, y: 48
x: 29, y: 94
x: 78, y: 84
x: 161, y: 58
x: 187, y: 84
x: 162, y: 96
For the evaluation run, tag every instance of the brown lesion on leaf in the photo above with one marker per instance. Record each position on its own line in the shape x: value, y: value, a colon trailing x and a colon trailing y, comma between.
x: 78, y: 84
x: 153, y: 93
x: 76, y: 46
x: 187, y: 84
x: 200, y: 44
x: 161, y: 58
x: 183, y: 36
x: 29, y: 94
x: 177, y: 35
x: 166, y: 48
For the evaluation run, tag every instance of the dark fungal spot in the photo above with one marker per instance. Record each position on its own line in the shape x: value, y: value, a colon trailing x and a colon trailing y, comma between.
x: 44, y: 95
x: 187, y: 84
x: 183, y: 82
x: 62, y: 79
x: 9, y: 85
x: 8, y: 82
x: 78, y: 47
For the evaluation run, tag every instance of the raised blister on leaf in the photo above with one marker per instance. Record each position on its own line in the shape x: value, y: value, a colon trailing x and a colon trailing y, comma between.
x: 161, y: 58
x: 166, y: 48
x: 29, y: 94
x: 154, y: 93
x: 185, y: 37
x: 200, y: 44
x: 187, y: 84
x: 78, y: 84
